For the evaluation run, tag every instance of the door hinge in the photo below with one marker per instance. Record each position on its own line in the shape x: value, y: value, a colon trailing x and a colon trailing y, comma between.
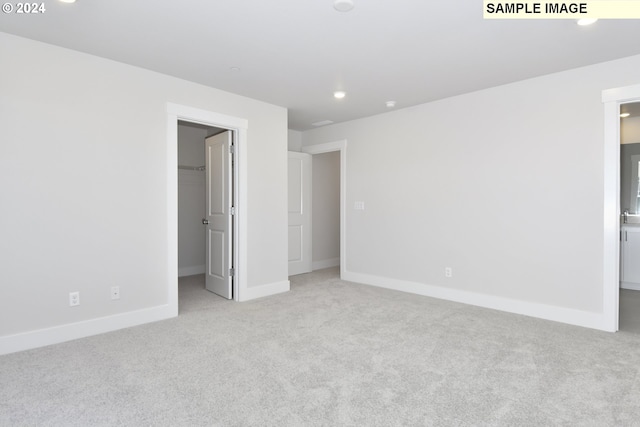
x: 232, y: 272
x: 233, y: 210
x: 232, y: 149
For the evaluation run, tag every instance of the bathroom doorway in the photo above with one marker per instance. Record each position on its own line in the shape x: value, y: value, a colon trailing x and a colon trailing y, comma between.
x: 629, y: 299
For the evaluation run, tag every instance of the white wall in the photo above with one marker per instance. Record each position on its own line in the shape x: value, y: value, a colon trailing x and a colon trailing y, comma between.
x: 630, y: 130
x: 326, y: 210
x: 83, y: 162
x: 191, y: 201
x: 512, y: 200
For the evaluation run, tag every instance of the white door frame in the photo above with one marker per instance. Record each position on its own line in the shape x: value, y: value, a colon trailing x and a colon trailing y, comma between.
x: 239, y: 126
x: 612, y: 99
x: 328, y: 147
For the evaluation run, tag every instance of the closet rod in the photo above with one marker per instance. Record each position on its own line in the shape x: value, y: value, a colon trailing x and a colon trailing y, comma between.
x: 191, y: 168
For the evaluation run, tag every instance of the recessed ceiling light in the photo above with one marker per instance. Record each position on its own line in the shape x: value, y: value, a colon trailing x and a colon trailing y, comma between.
x: 623, y: 115
x: 343, y: 5
x: 234, y: 69
x: 339, y: 94
x: 586, y: 21
x: 391, y: 104
x: 68, y: 1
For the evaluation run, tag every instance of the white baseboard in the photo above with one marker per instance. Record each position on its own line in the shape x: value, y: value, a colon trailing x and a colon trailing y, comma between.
x: 631, y: 286
x: 265, y: 290
x: 72, y: 331
x: 190, y: 271
x: 326, y: 263
x: 542, y: 311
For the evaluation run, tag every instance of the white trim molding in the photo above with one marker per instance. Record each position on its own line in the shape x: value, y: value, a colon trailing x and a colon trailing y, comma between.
x: 73, y: 331
x: 341, y: 146
x: 541, y: 311
x: 612, y: 99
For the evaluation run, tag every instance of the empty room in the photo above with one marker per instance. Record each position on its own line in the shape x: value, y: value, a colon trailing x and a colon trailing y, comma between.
x: 320, y: 212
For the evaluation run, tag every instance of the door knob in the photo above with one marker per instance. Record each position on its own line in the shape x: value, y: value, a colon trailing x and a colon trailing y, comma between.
x: 205, y: 221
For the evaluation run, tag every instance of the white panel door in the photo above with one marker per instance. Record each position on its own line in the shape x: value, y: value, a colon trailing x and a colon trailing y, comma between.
x: 218, y: 218
x: 299, y: 173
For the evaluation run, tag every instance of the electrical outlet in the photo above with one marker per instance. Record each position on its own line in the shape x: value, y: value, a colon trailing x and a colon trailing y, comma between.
x: 359, y: 205
x: 115, y: 292
x: 74, y: 299
x: 448, y: 272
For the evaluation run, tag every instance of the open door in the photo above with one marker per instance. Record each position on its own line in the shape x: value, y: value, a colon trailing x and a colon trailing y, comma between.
x: 299, y: 175
x: 219, y: 214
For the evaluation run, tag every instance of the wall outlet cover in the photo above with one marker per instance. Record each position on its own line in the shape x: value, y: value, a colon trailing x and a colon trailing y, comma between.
x: 74, y: 299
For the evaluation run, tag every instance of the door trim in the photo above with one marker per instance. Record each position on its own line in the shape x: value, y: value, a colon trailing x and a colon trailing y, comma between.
x: 612, y: 98
x: 341, y: 146
x: 239, y: 126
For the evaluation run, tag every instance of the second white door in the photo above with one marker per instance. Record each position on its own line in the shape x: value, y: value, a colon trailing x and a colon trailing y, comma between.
x: 299, y: 175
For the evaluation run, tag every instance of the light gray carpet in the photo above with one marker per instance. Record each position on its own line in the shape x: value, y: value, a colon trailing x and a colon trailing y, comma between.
x: 330, y: 353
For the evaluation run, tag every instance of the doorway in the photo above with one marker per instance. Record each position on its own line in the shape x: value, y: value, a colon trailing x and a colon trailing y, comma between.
x: 238, y: 127
x: 630, y: 227
x: 203, y: 159
x: 326, y: 210
x: 612, y: 99
x: 340, y: 150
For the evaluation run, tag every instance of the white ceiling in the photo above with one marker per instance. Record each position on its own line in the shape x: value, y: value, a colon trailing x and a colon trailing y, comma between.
x: 295, y: 53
